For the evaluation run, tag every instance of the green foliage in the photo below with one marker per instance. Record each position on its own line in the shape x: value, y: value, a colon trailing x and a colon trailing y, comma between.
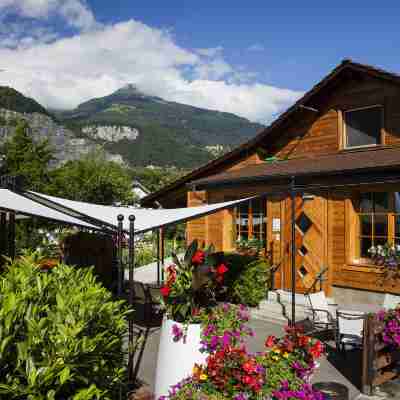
x: 92, y: 179
x: 170, y: 133
x: 247, y: 279
x: 61, y: 334
x: 157, y: 177
x: 11, y: 99
x: 26, y: 158
x: 191, y: 284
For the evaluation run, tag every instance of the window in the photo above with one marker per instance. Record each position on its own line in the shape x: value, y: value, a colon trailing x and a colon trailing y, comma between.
x: 251, y: 221
x: 378, y: 221
x: 363, y: 127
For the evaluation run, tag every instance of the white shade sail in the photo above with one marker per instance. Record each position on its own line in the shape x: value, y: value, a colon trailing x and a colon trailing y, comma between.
x: 11, y: 201
x: 145, y: 219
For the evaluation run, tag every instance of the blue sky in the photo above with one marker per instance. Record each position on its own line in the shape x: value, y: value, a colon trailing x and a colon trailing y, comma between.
x: 302, y: 41
x: 253, y: 58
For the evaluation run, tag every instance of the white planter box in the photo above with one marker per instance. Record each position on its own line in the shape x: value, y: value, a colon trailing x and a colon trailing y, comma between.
x: 176, y: 359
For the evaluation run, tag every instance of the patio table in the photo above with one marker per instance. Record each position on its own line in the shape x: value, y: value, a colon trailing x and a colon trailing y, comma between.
x: 360, y: 308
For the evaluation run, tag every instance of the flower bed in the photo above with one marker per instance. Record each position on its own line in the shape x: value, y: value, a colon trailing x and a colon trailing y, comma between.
x: 231, y: 372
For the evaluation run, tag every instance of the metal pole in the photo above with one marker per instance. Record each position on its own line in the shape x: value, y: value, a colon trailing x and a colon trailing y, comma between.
x: 130, y: 299
x: 158, y: 257
x: 293, y: 250
x: 3, y: 235
x: 11, y: 235
x: 119, y: 254
x: 162, y: 254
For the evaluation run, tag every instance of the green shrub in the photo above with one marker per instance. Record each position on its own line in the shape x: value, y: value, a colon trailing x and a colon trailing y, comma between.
x: 61, y: 334
x: 247, y: 279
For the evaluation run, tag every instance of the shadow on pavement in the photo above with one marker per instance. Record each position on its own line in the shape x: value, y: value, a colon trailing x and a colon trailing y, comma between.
x: 348, y: 363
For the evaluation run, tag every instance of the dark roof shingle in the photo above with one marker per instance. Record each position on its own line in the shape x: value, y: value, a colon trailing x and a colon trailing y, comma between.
x: 340, y: 163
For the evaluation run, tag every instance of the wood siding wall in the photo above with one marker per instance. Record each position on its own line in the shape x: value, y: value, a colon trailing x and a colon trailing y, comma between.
x: 310, y: 134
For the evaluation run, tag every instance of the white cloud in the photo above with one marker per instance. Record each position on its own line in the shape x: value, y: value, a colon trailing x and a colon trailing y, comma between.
x: 256, y: 47
x: 75, y: 12
x: 64, y: 72
x: 210, y: 52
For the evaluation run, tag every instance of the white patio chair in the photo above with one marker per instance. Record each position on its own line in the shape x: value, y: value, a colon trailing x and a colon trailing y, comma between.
x: 350, y: 329
x: 390, y: 301
x: 322, y: 313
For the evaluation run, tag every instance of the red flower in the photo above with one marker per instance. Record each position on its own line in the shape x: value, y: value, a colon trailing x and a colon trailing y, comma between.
x: 248, y: 380
x: 165, y: 291
x: 270, y: 342
x: 303, y: 340
x: 195, y: 311
x: 221, y: 269
x: 317, y: 350
x: 171, y: 271
x: 198, y: 257
x: 248, y: 367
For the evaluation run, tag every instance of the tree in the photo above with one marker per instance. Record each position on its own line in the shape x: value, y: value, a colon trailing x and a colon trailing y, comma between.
x: 23, y: 156
x: 93, y: 179
x: 156, y: 177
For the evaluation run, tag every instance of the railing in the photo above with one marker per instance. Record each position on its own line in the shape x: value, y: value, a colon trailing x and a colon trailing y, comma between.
x: 318, y: 279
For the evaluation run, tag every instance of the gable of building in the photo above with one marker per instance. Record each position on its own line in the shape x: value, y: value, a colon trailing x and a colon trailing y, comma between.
x: 312, y: 126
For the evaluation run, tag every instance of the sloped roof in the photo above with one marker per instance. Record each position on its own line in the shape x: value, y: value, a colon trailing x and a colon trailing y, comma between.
x: 334, y: 164
x: 252, y: 144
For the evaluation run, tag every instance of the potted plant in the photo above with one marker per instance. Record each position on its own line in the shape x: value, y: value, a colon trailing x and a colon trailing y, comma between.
x: 249, y: 247
x: 280, y: 372
x: 189, y: 292
x: 387, y: 258
x: 391, y: 327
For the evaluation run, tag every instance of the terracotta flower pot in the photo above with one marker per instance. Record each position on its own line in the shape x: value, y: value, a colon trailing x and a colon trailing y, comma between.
x: 176, y: 359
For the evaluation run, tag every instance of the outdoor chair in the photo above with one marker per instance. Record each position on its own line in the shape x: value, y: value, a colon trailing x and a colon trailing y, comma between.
x: 350, y: 328
x: 390, y: 301
x: 145, y: 303
x: 322, y: 314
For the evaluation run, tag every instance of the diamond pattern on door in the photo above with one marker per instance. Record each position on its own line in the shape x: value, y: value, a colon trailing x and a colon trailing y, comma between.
x: 303, y: 223
x: 310, y: 246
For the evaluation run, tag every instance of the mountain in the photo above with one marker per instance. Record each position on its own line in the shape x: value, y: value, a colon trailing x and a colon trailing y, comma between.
x: 133, y: 128
x: 14, y: 107
x: 146, y: 129
x: 11, y: 99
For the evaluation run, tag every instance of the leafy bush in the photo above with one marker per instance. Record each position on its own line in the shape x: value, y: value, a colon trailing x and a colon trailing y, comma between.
x: 61, y: 334
x: 247, y: 279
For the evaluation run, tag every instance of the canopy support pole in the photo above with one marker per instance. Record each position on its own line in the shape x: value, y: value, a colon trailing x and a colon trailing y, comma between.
x: 293, y: 249
x: 131, y: 377
x: 3, y: 236
x: 11, y: 235
x: 158, y: 257
x: 162, y: 234
x: 119, y: 255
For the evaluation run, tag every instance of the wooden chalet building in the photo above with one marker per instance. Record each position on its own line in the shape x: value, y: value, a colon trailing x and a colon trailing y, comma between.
x: 340, y: 143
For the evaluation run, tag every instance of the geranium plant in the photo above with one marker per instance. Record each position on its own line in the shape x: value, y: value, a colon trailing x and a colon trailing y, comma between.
x: 280, y: 372
x: 192, y: 284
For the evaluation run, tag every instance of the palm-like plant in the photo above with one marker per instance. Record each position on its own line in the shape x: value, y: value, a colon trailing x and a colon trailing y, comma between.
x: 192, y: 283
